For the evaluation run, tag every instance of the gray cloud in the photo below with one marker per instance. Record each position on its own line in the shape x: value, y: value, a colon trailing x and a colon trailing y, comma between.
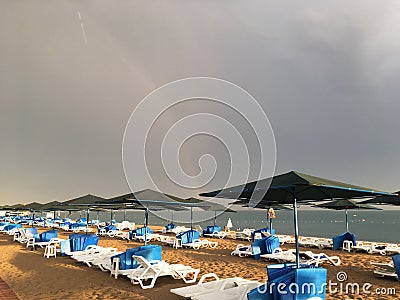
x: 325, y: 73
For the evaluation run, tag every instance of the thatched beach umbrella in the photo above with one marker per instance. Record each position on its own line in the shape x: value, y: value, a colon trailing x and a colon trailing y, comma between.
x: 291, y: 188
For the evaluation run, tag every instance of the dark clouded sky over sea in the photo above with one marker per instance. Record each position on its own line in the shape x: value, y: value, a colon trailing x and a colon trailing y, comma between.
x: 326, y: 73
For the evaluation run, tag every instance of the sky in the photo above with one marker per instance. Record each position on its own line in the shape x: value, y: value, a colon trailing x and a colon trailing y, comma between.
x: 72, y: 72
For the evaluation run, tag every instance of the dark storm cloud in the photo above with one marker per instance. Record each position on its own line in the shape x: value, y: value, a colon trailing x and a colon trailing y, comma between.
x: 325, y: 73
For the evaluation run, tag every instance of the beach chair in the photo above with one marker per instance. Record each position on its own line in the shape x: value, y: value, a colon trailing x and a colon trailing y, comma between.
x: 242, y: 250
x: 322, y: 243
x: 238, y: 292
x: 98, y: 256
x: 392, y: 248
x: 389, y: 270
x: 316, y: 259
x: 261, y: 233
x: 151, y: 270
x: 203, y: 288
x: 257, y: 248
x: 90, y: 249
x: 123, y: 263
x: 285, y: 239
x: 245, y: 234
x: 211, y: 231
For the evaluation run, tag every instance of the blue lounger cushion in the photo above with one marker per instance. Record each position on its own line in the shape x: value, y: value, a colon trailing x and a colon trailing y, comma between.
x: 338, y: 240
x: 188, y: 236
x: 396, y: 262
x: 262, y: 230
x: 296, y: 284
x: 48, y: 235
x: 149, y: 252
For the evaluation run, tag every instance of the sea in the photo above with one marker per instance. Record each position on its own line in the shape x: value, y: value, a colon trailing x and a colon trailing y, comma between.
x: 367, y: 225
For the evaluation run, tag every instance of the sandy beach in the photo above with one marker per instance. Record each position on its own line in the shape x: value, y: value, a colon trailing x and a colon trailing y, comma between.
x: 31, y: 276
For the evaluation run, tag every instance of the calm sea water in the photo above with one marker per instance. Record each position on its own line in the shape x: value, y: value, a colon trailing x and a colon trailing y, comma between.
x: 380, y: 226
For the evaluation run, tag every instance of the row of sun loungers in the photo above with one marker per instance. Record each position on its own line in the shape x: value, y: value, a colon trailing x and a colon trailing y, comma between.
x: 141, y: 271
x: 372, y: 248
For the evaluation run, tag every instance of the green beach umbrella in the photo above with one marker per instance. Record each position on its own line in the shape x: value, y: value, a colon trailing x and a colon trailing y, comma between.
x: 384, y: 200
x: 344, y: 204
x: 84, y: 203
x: 291, y: 188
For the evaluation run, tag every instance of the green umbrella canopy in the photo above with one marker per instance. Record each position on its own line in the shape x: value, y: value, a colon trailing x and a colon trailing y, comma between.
x: 384, y: 200
x: 291, y: 187
x: 286, y: 187
x: 86, y: 200
x: 12, y: 207
x: 49, y: 206
x: 152, y: 199
x: 31, y: 206
x: 262, y: 205
x: 343, y: 204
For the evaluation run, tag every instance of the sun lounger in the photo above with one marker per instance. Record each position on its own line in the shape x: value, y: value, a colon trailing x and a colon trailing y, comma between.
x: 209, y: 287
x: 201, y: 243
x: 52, y: 241
x: 316, y: 259
x: 149, y: 237
x: 245, y: 234
x: 257, y: 248
x: 369, y: 247
x: 306, y: 257
x: 88, y: 250
x: 238, y: 292
x: 390, y: 269
x: 242, y: 250
x: 99, y: 256
x: 392, y: 248
x: 151, y: 270
x: 286, y: 239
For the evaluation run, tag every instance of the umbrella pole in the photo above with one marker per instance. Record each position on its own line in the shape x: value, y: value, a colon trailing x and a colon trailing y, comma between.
x: 172, y: 217
x: 296, y: 231
x: 266, y: 217
x: 97, y: 215
x: 270, y: 225
x: 347, y: 221
x: 191, y: 218
x: 33, y: 218
x: 87, y: 219
x: 146, y: 223
x: 124, y: 214
x: 215, y: 217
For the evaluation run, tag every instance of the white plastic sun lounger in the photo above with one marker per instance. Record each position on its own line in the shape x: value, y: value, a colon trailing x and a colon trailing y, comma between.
x: 238, y: 293
x: 90, y: 249
x: 318, y: 258
x: 209, y: 287
x: 100, y: 259
x: 151, y: 270
x: 369, y: 248
x: 242, y: 250
x: 306, y: 257
x: 52, y: 241
x: 385, y: 270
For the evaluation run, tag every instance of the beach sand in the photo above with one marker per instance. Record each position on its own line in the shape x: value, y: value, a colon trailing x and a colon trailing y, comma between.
x: 31, y: 276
